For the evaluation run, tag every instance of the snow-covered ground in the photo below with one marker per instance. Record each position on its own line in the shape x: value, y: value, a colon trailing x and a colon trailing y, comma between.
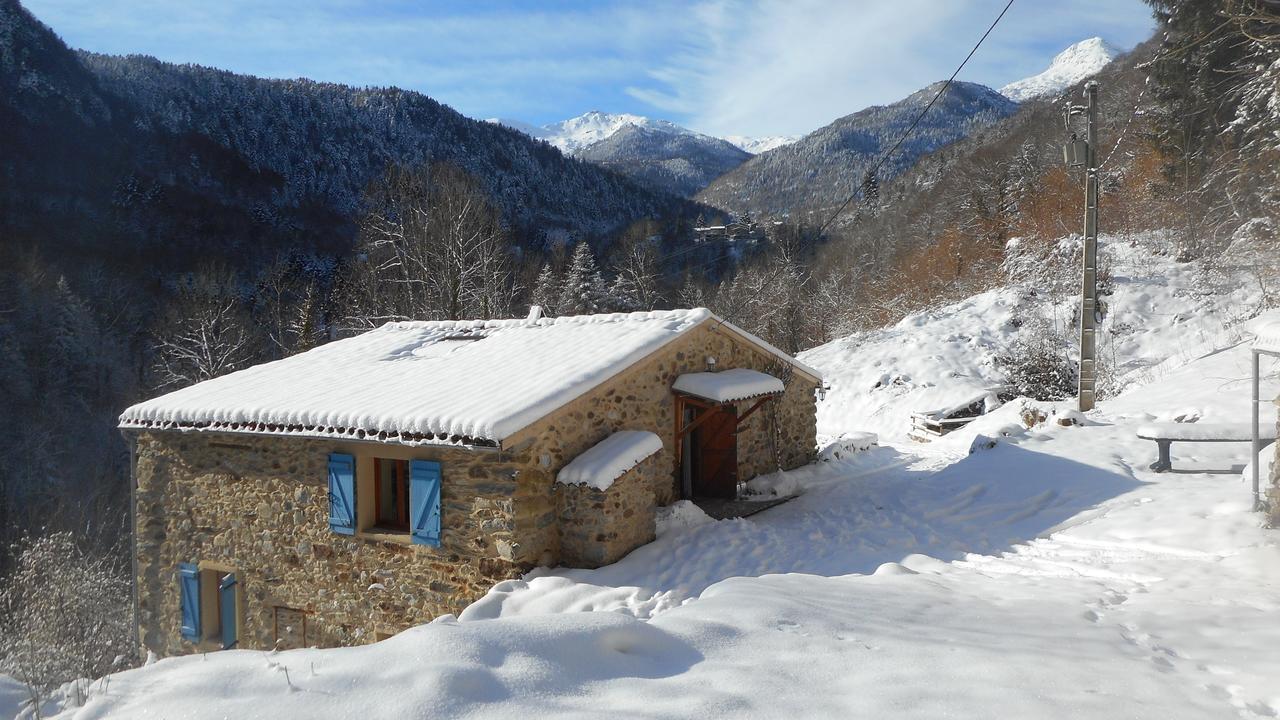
x: 1002, y: 571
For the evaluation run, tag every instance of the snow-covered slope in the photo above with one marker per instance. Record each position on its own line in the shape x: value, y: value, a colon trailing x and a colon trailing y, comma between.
x: 1068, y: 67
x: 1160, y: 314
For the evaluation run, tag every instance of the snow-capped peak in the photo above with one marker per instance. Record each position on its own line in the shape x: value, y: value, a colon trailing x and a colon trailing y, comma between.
x: 577, y: 133
x: 1070, y: 66
x: 764, y: 143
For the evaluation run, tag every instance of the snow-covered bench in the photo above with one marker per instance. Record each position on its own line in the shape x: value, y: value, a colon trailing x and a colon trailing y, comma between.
x: 1165, y: 434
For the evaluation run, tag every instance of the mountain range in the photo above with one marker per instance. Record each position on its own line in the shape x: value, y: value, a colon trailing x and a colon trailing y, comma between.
x: 129, y: 157
x: 667, y: 157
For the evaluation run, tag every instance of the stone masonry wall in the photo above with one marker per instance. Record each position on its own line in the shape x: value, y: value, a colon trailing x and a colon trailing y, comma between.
x: 598, y: 527
x: 259, y: 505
x: 783, y: 432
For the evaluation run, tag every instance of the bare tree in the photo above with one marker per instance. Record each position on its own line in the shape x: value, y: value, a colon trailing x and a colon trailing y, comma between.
x: 637, y: 274
x: 206, y: 332
x: 430, y: 248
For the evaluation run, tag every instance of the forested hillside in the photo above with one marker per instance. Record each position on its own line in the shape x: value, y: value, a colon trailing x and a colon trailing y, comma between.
x: 816, y: 173
x: 679, y: 163
x: 163, y: 223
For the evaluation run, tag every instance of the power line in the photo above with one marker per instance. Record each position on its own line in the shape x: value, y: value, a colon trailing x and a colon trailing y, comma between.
x: 883, y: 158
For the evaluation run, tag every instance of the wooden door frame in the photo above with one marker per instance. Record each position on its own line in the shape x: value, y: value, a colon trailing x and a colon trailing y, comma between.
x: 708, y: 408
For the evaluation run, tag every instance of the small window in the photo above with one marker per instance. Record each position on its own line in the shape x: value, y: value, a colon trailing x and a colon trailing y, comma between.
x: 392, y: 494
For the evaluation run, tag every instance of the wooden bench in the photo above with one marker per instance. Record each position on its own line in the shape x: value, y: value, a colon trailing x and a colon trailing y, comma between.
x: 1166, y: 434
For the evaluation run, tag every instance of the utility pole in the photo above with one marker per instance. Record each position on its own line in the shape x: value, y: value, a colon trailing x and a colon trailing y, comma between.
x: 1084, y: 153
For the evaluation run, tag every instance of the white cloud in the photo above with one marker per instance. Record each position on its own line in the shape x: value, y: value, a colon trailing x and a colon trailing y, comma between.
x: 788, y: 67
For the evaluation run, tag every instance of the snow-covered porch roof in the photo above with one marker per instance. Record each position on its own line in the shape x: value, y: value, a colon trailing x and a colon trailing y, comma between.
x: 728, y: 385
x: 472, y: 383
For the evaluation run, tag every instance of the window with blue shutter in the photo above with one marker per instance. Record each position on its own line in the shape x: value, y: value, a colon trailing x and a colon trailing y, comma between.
x: 189, y: 600
x: 424, y: 502
x: 227, y: 611
x: 342, y: 493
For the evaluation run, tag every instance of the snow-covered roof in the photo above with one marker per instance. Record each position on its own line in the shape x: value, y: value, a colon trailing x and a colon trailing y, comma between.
x: 728, y: 385
x: 1266, y: 333
x: 456, y: 382
x: 608, y: 459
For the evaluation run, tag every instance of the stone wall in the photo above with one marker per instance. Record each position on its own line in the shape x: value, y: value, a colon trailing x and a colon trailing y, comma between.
x: 259, y: 505
x: 598, y: 527
x: 783, y: 433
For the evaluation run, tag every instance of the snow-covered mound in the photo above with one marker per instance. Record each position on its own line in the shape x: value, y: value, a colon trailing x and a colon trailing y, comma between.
x: 1161, y: 314
x: 1069, y: 67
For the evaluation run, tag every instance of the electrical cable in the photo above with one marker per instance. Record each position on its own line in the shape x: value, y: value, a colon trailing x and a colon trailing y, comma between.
x: 883, y: 158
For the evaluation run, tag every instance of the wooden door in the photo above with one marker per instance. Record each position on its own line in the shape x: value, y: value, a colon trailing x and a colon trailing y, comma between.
x: 716, y: 455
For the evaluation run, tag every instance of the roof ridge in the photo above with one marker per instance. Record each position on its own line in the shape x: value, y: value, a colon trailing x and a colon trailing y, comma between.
x: 697, y: 314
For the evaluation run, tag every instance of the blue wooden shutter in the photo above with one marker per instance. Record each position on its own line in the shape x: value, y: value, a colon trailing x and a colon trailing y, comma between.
x: 227, y: 599
x: 424, y: 502
x: 342, y: 493
x: 189, y: 599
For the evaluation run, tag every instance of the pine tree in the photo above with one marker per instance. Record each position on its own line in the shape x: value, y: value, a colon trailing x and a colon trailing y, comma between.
x: 546, y: 290
x: 870, y: 190
x: 624, y: 296
x: 582, y: 290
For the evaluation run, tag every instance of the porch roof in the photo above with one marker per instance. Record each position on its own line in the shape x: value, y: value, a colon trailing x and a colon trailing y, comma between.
x: 728, y: 385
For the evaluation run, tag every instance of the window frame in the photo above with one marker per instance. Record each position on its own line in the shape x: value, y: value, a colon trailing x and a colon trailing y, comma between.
x: 210, y: 578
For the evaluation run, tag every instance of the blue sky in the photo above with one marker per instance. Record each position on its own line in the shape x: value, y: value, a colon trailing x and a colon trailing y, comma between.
x: 746, y: 67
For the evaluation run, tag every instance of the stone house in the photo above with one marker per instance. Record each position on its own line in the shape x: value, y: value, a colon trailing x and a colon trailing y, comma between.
x: 343, y: 494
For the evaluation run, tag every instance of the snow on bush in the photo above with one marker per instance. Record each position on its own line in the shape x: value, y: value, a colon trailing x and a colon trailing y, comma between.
x: 64, y: 614
x: 1038, y: 364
